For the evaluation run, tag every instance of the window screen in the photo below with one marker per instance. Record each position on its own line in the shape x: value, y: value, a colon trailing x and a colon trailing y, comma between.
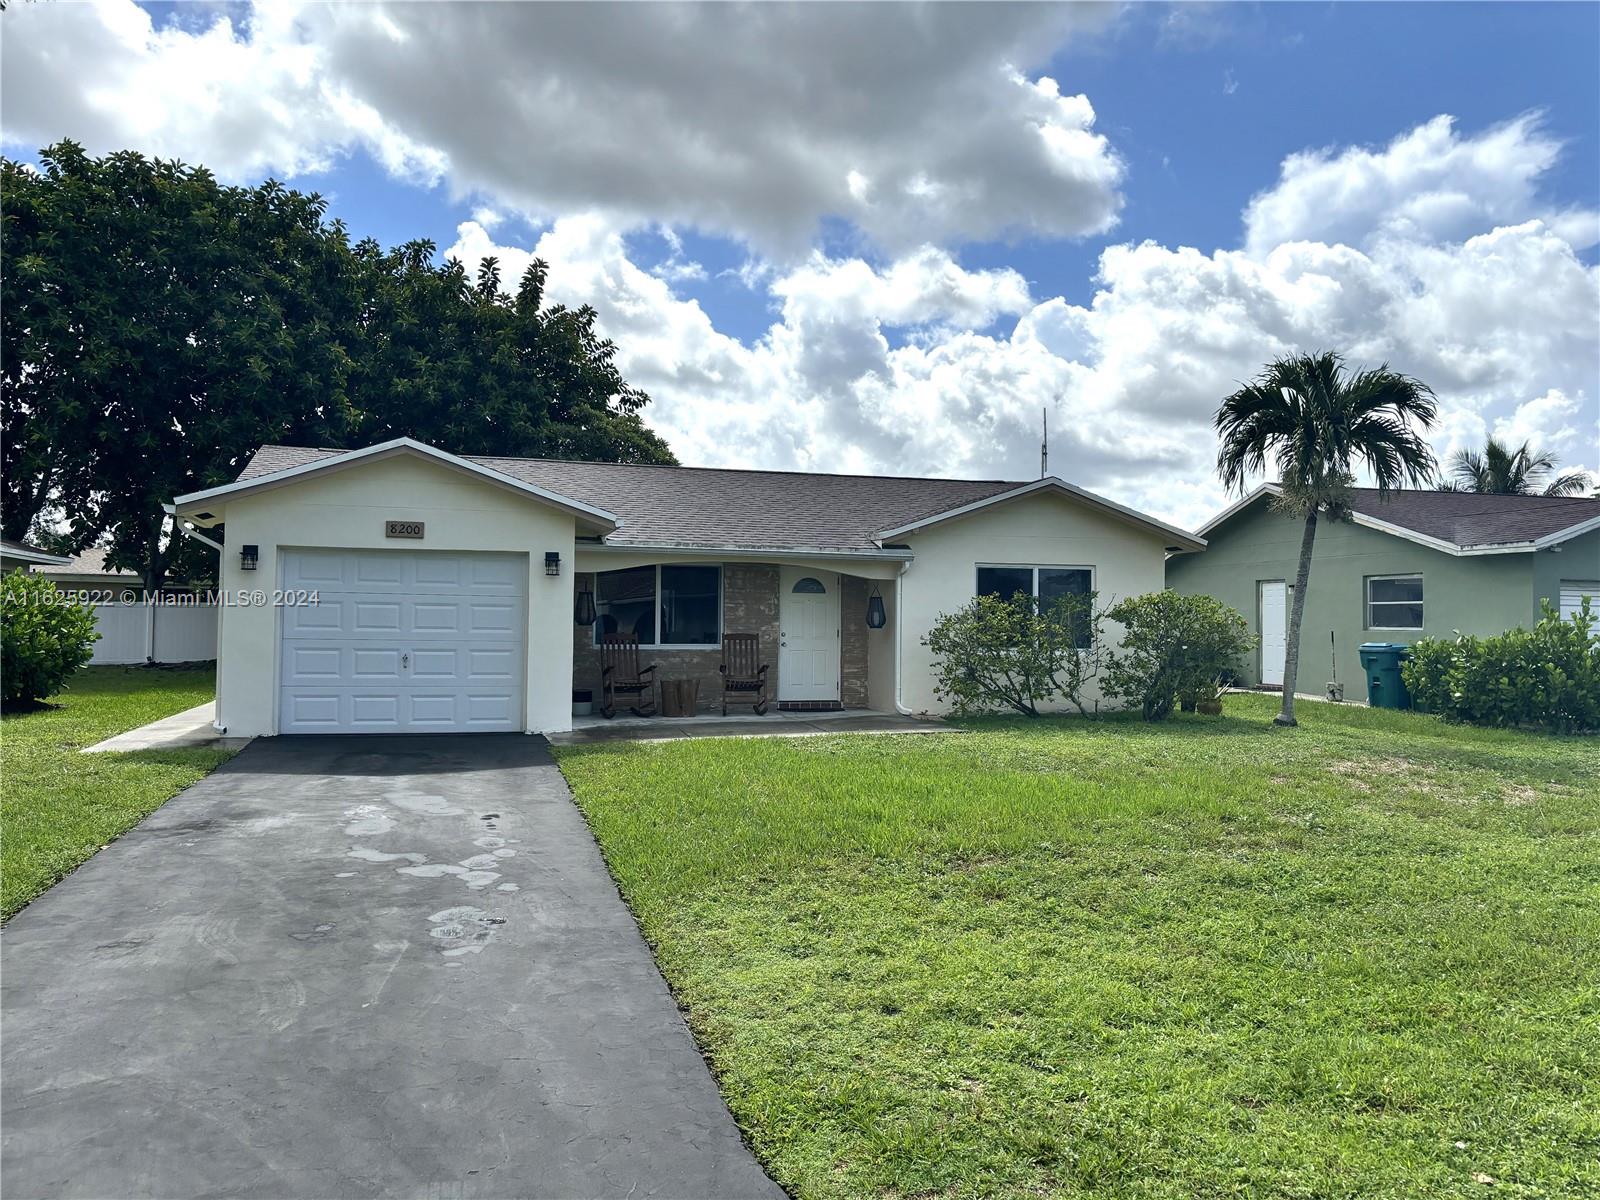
x: 626, y: 602
x: 1046, y: 584
x: 1005, y: 582
x: 1394, y: 602
x: 689, y: 605
x: 669, y: 605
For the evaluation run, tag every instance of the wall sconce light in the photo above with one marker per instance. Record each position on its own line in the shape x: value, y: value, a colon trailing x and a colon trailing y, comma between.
x: 583, y: 611
x: 248, y: 557
x: 876, y: 617
x: 552, y: 562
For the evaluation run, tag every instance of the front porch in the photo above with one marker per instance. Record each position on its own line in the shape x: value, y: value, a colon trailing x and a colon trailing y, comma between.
x: 809, y: 617
x: 626, y: 727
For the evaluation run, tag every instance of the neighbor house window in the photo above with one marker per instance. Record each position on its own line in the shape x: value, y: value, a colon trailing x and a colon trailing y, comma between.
x: 666, y: 605
x: 1044, y: 584
x: 1394, y: 602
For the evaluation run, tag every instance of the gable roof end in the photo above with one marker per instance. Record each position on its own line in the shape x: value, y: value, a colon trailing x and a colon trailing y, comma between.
x: 1183, y: 539
x: 1457, y: 523
x: 337, y: 460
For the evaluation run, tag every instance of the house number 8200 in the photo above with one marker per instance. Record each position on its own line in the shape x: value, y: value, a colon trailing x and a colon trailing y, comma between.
x: 402, y: 529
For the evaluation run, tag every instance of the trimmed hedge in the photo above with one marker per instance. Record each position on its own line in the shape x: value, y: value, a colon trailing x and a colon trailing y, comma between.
x: 1547, y: 677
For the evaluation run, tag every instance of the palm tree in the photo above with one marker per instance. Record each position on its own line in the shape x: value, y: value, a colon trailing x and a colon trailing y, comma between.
x: 1502, y: 471
x: 1314, y: 421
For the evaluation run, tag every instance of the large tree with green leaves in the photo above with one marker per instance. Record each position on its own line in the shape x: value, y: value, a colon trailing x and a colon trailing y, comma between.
x: 1501, y: 471
x: 158, y: 326
x: 1317, y: 423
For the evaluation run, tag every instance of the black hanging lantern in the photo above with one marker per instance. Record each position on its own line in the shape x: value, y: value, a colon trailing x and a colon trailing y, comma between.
x: 552, y: 562
x: 583, y: 611
x: 248, y: 557
x: 876, y: 617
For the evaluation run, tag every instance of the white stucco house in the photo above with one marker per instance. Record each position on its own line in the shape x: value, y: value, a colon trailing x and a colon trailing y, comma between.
x: 400, y: 589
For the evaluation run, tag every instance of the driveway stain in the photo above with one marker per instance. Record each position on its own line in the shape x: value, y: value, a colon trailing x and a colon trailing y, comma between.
x: 269, y: 1012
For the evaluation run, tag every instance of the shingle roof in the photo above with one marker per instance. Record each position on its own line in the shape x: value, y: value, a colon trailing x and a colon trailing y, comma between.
x: 21, y: 547
x: 698, y: 506
x: 89, y: 562
x: 1467, y: 520
x: 1472, y: 519
x: 24, y: 550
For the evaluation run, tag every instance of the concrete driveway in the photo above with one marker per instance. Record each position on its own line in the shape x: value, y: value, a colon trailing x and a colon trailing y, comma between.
x: 346, y: 967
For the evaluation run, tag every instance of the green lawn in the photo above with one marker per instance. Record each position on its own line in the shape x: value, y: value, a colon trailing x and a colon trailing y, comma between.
x: 57, y: 807
x: 1073, y: 958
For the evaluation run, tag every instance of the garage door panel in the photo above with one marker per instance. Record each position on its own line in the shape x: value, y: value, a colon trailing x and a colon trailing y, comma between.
x: 433, y: 708
x: 506, y: 575
x: 492, y: 617
x: 436, y: 570
x: 314, y: 569
x: 370, y: 664
x: 309, y: 711
x: 429, y: 616
x: 375, y: 709
x: 310, y: 663
x: 315, y: 620
x: 378, y: 571
x: 370, y: 616
x: 403, y: 640
x: 488, y: 708
x: 497, y: 664
x: 435, y: 664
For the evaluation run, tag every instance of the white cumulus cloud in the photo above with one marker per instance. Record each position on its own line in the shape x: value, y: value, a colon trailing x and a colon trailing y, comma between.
x: 1429, y: 183
x: 919, y: 365
x: 759, y: 123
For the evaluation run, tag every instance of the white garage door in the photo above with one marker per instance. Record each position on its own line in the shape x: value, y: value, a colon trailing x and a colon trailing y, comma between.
x: 1572, y: 593
x: 402, y: 642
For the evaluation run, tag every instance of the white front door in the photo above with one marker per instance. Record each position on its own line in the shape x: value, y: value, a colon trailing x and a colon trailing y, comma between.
x: 402, y: 642
x: 1274, y: 630
x: 808, y: 635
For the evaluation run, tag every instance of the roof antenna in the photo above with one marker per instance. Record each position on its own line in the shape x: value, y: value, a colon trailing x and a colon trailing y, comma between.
x: 1044, y: 445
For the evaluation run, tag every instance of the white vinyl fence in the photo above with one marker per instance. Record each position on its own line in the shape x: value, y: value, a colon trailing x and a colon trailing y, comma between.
x: 136, y: 632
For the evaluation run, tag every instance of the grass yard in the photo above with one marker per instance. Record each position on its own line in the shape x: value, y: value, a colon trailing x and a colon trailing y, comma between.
x: 57, y: 807
x: 1072, y: 958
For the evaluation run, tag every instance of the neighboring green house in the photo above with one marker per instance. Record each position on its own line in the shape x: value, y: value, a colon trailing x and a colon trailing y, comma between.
x: 1420, y: 564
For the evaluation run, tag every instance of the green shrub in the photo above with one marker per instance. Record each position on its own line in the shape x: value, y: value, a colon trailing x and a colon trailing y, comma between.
x: 994, y: 654
x: 1174, y: 648
x: 1547, y: 677
x: 45, y: 636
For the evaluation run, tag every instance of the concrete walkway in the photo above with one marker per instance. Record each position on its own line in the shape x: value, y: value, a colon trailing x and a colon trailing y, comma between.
x: 189, y: 729
x: 745, y: 724
x: 354, y: 967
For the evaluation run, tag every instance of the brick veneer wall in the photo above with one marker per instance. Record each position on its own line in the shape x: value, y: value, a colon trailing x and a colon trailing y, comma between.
x: 853, y: 641
x: 749, y: 605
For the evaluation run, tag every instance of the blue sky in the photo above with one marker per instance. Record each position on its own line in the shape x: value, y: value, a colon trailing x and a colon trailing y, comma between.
x: 858, y: 238
x: 1202, y: 106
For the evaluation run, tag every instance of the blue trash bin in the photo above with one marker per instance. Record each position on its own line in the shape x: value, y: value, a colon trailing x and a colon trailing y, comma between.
x: 1381, y: 661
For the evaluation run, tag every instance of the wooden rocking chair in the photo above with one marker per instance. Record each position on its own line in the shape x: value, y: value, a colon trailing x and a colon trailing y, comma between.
x: 744, y: 678
x: 620, y: 673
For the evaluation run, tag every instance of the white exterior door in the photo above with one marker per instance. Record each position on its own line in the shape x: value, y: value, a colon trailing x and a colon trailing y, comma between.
x: 402, y: 641
x: 808, y: 635
x: 1274, y: 606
